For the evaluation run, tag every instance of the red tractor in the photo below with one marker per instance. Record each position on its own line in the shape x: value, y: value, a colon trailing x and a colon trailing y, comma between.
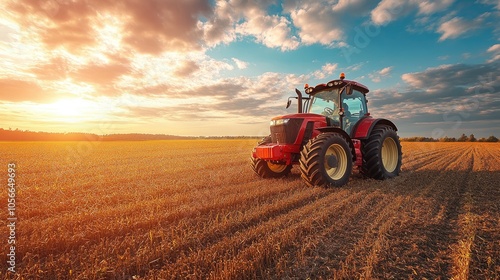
x: 331, y: 131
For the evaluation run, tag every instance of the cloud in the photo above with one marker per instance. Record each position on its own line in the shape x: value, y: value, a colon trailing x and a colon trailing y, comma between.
x: 385, y: 71
x: 457, y: 26
x: 448, y: 97
x: 220, y: 27
x: 318, y: 24
x: 449, y: 76
x: 240, y: 64
x: 56, y: 68
x: 171, y: 73
x: 186, y: 68
x: 147, y: 26
x: 432, y: 6
x: 236, y: 18
x: 326, y: 71
x: 239, y: 98
x: 19, y: 90
x: 378, y: 75
x: 100, y: 73
x: 272, y: 31
x: 453, y: 28
x: 390, y: 10
x: 495, y: 51
x: 495, y: 3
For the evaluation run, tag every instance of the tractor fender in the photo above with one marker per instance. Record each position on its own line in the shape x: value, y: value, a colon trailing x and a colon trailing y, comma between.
x: 364, y: 127
x: 343, y: 133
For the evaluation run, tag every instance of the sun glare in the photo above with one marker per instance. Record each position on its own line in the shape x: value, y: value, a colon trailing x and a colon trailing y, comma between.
x: 72, y: 110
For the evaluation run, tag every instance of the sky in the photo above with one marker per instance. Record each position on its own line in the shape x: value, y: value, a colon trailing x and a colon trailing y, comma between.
x: 223, y: 68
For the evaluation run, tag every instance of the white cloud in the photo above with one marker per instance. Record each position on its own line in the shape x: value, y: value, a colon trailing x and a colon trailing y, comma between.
x: 495, y: 3
x: 219, y: 28
x: 390, y: 10
x: 316, y: 25
x: 355, y: 67
x: 385, y: 71
x: 271, y: 30
x: 495, y: 50
x: 324, y: 22
x: 431, y: 6
x: 240, y: 64
x: 326, y: 70
x: 377, y: 76
x: 457, y: 26
x: 453, y: 28
x: 234, y: 18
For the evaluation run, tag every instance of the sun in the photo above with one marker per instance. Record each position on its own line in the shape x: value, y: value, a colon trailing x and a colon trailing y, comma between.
x: 72, y: 110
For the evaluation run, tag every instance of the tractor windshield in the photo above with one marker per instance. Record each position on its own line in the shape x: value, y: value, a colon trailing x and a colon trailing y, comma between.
x: 326, y: 103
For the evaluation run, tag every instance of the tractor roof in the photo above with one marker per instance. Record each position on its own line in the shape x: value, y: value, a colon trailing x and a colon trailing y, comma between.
x: 336, y: 84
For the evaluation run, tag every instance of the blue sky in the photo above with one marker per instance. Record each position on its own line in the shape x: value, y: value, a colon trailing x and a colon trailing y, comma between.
x: 203, y: 67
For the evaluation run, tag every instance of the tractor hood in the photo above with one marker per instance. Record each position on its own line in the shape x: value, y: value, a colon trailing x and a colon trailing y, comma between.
x: 298, y: 116
x: 279, y: 120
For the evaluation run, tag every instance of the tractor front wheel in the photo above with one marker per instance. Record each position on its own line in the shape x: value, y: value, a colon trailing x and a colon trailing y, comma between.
x: 382, y: 153
x: 326, y: 161
x: 267, y: 169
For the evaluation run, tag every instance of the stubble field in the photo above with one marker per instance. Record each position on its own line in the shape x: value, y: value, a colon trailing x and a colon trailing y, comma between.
x: 194, y: 209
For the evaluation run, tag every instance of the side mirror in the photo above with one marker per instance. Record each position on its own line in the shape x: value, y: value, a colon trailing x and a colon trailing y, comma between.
x: 288, y: 103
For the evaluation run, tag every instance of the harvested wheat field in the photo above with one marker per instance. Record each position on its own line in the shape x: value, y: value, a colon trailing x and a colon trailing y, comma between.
x: 194, y: 209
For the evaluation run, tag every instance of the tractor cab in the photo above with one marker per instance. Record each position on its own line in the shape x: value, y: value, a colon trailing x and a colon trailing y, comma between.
x: 342, y: 102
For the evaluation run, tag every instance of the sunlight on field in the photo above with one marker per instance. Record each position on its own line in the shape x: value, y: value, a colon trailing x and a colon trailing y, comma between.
x: 175, y: 209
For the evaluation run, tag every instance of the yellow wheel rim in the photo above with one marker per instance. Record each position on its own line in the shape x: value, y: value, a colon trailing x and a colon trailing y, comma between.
x: 390, y: 154
x: 276, y: 168
x: 337, y: 172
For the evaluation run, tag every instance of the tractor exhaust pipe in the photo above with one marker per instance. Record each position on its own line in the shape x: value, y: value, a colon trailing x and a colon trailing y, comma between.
x: 299, y: 100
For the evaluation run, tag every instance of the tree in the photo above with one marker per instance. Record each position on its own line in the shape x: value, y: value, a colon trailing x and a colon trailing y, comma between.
x: 472, y: 138
x: 462, y: 138
x: 492, y: 139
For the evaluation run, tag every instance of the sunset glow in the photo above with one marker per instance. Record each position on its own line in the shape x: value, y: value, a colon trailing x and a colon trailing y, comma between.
x: 72, y: 110
x: 226, y: 67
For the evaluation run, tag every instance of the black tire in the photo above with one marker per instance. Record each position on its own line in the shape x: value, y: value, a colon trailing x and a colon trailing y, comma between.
x: 326, y: 161
x: 382, y: 155
x: 266, y: 169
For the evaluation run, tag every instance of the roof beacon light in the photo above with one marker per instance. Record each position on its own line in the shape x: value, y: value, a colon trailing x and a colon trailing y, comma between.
x: 342, y: 76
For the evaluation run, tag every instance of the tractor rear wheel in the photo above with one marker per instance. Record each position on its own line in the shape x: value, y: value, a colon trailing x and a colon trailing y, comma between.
x: 267, y: 169
x: 326, y: 161
x: 382, y: 153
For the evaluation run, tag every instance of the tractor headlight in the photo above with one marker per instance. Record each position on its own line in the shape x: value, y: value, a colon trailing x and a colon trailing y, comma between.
x: 279, y: 121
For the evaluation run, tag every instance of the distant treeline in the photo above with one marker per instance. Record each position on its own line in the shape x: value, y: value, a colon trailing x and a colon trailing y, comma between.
x: 25, y: 135
x: 20, y: 135
x: 463, y: 138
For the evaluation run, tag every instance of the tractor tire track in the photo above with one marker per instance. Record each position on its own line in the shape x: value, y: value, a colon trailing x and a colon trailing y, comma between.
x: 429, y: 231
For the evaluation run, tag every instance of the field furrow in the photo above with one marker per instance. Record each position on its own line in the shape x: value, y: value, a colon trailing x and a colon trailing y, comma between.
x: 195, y: 209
